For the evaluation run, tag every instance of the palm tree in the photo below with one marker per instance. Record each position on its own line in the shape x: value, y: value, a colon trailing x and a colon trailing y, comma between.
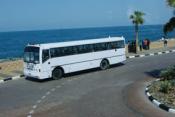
x: 137, y: 19
x: 167, y: 28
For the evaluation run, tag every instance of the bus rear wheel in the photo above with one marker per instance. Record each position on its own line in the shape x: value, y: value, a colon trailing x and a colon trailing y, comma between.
x: 57, y: 73
x: 104, y: 64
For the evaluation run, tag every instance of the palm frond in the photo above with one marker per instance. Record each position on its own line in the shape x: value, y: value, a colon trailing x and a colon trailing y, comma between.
x: 131, y: 17
x: 168, y: 27
x: 137, y: 17
x: 171, y: 3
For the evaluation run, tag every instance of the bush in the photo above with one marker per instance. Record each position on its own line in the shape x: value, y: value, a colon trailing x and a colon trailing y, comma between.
x: 165, y: 86
x: 172, y: 83
x: 168, y: 74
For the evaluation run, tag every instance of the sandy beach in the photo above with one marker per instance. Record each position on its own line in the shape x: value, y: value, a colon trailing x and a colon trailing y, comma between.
x: 12, y: 68
x: 159, y: 44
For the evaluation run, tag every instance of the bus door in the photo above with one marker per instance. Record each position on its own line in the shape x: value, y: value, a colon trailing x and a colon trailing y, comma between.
x: 46, y: 67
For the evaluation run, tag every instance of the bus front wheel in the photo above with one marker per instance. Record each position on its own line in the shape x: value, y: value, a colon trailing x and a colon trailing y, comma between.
x: 104, y: 64
x: 57, y: 73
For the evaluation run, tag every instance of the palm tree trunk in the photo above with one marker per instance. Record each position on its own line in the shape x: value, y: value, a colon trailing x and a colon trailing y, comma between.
x: 137, y: 36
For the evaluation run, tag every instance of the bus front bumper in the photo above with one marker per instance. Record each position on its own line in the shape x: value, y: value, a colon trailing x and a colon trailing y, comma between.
x: 32, y: 74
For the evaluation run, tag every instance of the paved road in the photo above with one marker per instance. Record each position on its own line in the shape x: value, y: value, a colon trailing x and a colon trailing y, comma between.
x: 116, y: 92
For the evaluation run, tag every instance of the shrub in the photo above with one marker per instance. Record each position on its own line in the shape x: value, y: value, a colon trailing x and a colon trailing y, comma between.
x: 168, y: 74
x: 172, y: 83
x: 165, y: 86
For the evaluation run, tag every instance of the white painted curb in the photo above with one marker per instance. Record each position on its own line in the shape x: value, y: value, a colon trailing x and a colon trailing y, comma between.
x: 156, y: 102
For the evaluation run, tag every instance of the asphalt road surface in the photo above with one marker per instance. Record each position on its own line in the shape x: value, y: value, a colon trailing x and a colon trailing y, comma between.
x: 116, y: 92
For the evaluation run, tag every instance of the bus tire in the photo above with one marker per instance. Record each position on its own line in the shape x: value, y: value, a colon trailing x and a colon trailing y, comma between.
x: 104, y: 64
x: 57, y: 73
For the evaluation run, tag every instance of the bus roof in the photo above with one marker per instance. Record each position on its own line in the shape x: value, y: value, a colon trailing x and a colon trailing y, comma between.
x: 77, y: 42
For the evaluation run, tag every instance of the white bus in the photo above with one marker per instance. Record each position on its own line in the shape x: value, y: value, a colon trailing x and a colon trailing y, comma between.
x: 53, y: 60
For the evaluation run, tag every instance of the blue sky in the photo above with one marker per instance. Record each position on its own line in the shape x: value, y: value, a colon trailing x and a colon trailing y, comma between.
x: 16, y: 15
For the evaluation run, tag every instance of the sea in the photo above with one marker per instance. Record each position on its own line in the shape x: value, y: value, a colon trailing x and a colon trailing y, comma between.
x: 12, y: 44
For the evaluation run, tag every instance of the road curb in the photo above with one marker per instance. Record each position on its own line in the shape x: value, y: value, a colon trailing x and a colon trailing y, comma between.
x: 151, y: 54
x: 11, y: 78
x: 155, y: 101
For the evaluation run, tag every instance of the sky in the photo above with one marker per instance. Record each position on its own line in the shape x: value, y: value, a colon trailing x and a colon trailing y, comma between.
x: 19, y: 15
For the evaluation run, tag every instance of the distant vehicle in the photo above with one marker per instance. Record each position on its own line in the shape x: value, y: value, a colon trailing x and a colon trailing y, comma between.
x: 53, y: 60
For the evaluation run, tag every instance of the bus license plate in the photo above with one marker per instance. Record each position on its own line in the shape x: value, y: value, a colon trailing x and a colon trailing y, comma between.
x: 29, y: 66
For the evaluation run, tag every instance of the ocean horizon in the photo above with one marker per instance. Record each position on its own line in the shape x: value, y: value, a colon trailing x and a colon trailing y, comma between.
x: 13, y: 43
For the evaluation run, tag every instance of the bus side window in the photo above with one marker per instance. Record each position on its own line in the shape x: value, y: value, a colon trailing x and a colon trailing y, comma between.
x: 120, y: 44
x: 88, y: 48
x: 108, y: 46
x: 74, y: 50
x: 111, y: 45
x: 45, y: 55
x: 98, y: 47
x: 116, y: 45
x: 52, y: 52
x: 65, y: 51
x: 104, y: 46
x: 81, y: 49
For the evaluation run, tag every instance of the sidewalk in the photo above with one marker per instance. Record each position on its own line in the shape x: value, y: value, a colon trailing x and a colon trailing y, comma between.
x: 144, y: 52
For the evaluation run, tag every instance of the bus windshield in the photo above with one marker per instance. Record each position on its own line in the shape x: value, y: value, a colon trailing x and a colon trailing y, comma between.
x: 31, y: 55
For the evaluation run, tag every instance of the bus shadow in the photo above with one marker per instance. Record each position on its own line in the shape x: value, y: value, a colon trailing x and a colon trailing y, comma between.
x: 117, y: 65
x: 74, y: 73
x: 38, y: 80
